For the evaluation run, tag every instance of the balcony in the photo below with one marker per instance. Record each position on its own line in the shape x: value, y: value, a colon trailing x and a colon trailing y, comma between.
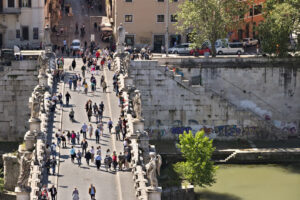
x: 10, y: 11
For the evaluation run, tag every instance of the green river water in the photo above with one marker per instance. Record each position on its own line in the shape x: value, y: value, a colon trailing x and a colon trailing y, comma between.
x: 254, y: 182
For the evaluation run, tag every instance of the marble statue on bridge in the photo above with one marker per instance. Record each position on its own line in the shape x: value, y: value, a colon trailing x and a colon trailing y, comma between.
x: 152, y: 169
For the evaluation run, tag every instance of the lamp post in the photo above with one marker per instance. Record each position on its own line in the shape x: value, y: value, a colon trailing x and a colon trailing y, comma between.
x: 167, y: 29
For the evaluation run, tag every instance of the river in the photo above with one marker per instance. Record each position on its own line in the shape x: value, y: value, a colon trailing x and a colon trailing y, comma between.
x: 254, y: 182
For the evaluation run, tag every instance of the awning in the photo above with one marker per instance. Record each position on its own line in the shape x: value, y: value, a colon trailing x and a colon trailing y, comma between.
x: 106, y: 29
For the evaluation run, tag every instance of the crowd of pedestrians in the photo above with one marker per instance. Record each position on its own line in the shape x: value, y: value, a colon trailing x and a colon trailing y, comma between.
x: 95, y: 126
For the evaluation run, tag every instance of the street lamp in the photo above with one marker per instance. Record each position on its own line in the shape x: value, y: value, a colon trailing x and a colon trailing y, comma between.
x: 167, y: 28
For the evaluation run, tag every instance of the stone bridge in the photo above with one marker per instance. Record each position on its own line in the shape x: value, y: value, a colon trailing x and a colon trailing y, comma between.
x: 25, y: 171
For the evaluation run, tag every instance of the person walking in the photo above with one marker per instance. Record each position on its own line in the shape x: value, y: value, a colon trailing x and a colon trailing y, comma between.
x: 95, y: 108
x: 83, y: 68
x: 83, y: 130
x: 73, y: 138
x: 92, y: 150
x: 98, y: 161
x: 75, y: 194
x: 53, y: 165
x: 79, y: 156
x: 88, y: 157
x: 114, y: 160
x: 97, y: 135
x: 73, y: 64
x: 78, y: 137
x: 92, y: 192
x: 110, y: 125
x: 70, y: 83
x: 72, y: 154
x: 53, y: 192
x: 101, y: 106
x: 84, y: 146
x: 104, y: 86
x: 89, y: 114
x: 64, y: 141
x: 90, y: 130
x: 68, y: 97
x: 117, y: 131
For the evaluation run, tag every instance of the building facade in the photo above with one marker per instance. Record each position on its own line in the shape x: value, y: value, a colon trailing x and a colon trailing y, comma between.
x: 22, y: 23
x: 145, y: 22
x: 251, y: 19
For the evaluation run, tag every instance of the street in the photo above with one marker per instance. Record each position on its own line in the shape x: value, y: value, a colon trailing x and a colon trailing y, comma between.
x: 109, y: 185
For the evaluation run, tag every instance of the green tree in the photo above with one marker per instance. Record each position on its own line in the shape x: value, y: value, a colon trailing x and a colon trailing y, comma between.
x: 209, y: 19
x: 198, y: 168
x: 282, y: 18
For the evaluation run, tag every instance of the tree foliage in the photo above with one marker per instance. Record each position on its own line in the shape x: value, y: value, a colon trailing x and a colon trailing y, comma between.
x: 198, y: 168
x: 209, y: 19
x: 282, y: 18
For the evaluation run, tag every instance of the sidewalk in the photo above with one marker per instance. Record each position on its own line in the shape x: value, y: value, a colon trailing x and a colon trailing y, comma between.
x: 109, y: 185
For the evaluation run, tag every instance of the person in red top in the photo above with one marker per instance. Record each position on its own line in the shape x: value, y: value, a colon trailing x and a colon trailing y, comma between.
x: 114, y: 160
x: 97, y: 54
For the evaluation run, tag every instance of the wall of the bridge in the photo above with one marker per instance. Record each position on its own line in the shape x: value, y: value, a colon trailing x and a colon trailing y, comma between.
x: 16, y: 85
x: 170, y: 105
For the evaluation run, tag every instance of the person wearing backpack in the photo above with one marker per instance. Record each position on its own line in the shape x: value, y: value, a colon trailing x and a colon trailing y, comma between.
x: 92, y: 191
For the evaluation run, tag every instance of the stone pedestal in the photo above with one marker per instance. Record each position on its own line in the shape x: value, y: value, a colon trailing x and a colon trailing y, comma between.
x: 29, y: 140
x: 22, y: 194
x: 138, y: 125
x: 128, y: 81
x: 34, y: 124
x: 43, y: 80
x: 11, y: 171
x: 154, y: 194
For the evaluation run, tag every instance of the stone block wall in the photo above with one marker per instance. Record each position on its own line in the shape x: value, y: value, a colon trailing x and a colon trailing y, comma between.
x: 16, y: 85
x: 171, y: 105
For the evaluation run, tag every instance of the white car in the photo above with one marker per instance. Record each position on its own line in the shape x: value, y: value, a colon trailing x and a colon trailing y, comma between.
x: 183, y: 48
x: 75, y: 45
x: 231, y: 48
x: 249, y: 42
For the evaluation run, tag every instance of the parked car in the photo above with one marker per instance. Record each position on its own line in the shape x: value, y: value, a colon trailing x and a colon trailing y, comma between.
x: 231, y: 48
x: 183, y: 48
x: 200, y: 51
x: 247, y: 42
x: 75, y: 45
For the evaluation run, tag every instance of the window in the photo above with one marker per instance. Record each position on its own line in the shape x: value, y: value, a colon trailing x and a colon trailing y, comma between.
x: 175, y: 0
x: 18, y: 34
x: 160, y: 18
x: 11, y: 3
x: 25, y: 33
x: 35, y: 33
x: 25, y: 3
x: 257, y: 9
x: 128, y: 0
x: 129, y: 40
x: 160, y: 0
x: 128, y: 18
x: 174, y: 18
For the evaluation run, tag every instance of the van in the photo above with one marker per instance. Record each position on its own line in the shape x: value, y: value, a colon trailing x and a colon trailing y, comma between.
x: 231, y: 48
